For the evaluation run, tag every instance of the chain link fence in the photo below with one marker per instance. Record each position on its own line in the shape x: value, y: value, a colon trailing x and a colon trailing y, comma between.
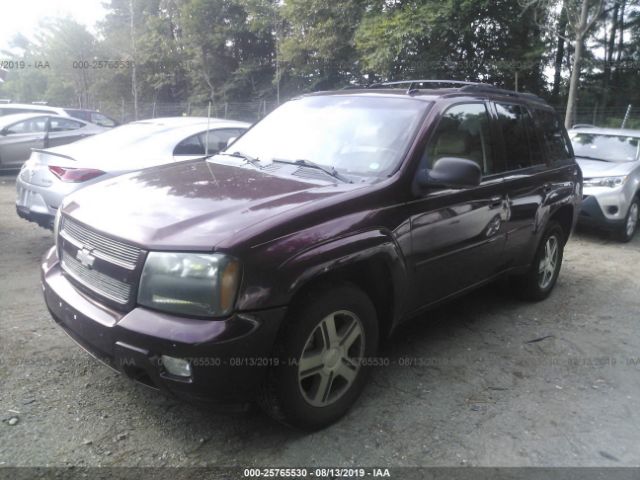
x: 613, y: 117
x: 244, y: 111
x: 623, y: 116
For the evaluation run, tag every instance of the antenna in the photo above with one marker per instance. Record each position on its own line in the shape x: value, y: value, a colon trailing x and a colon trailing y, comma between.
x: 206, y: 135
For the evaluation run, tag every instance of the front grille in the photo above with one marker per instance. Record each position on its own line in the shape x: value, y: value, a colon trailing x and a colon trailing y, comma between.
x: 100, y: 283
x: 110, y: 250
x: 113, y: 271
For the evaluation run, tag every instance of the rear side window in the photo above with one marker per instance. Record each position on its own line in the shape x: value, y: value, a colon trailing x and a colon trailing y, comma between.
x: 521, y: 145
x: 63, y: 125
x: 463, y: 132
x: 190, y: 146
x: 553, y: 135
x: 218, y: 139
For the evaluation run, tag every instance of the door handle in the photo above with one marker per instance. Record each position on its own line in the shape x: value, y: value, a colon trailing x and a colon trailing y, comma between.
x: 495, y: 202
x: 546, y: 188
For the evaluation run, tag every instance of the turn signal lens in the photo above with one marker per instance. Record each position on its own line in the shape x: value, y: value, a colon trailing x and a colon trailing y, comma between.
x: 75, y: 175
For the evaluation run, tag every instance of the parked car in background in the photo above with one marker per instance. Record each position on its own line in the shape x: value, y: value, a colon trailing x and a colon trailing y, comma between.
x: 51, y: 174
x: 22, y: 132
x: 273, y: 269
x: 610, y: 163
x: 90, y: 116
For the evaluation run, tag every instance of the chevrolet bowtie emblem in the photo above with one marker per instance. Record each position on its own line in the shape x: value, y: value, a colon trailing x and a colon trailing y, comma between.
x: 85, y: 258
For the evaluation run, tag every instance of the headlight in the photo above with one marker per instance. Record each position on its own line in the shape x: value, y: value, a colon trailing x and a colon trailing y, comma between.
x: 189, y: 283
x: 56, y: 225
x: 611, y: 182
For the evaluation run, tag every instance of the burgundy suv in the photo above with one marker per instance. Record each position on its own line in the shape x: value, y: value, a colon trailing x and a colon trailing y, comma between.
x: 272, y: 271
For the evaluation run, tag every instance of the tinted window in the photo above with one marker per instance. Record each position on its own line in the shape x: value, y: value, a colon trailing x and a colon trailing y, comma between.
x: 63, y: 125
x: 190, y: 146
x: 520, y: 142
x: 553, y: 135
x: 463, y: 132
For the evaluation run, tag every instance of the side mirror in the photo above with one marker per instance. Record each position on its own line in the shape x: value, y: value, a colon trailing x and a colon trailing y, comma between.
x: 451, y: 172
x: 4, y: 131
x: 230, y: 141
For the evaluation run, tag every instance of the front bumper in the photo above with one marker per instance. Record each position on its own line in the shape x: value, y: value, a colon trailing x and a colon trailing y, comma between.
x: 229, y: 357
x: 593, y: 215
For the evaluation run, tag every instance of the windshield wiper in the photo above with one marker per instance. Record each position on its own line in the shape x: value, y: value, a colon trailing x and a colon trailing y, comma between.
x: 331, y: 171
x: 247, y: 158
x: 593, y: 158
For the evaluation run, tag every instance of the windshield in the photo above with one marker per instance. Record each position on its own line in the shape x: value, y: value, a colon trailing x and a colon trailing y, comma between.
x: 610, y: 148
x: 362, y: 136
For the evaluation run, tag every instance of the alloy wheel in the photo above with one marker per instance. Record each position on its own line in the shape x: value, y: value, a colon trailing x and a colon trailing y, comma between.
x: 548, y: 262
x: 331, y: 358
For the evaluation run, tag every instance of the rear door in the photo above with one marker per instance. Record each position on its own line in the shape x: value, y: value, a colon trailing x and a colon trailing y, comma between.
x: 20, y: 138
x: 458, y: 236
x: 527, y: 178
x: 65, y: 130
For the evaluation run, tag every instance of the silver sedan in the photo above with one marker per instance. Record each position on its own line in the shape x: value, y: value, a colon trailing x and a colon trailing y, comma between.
x: 49, y: 175
x: 610, y: 163
x: 21, y: 132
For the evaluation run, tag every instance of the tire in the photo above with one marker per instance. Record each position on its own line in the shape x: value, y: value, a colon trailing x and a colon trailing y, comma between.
x: 628, y: 230
x: 538, y: 283
x: 313, y: 398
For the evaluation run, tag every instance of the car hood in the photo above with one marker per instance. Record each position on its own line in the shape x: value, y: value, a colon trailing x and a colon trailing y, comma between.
x: 596, y: 168
x: 191, y: 205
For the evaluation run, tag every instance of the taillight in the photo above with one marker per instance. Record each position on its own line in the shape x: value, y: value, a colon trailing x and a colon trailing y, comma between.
x: 75, y: 175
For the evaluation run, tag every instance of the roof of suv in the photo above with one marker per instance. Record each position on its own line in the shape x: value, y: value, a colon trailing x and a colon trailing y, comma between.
x: 430, y: 90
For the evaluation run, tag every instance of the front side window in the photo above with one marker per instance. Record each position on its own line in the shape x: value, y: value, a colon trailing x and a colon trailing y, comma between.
x: 553, y: 135
x: 463, y: 132
x: 358, y: 135
x: 33, y: 125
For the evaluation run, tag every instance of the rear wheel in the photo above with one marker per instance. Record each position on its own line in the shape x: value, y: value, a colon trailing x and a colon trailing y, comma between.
x: 539, y: 281
x: 628, y: 230
x: 321, y: 351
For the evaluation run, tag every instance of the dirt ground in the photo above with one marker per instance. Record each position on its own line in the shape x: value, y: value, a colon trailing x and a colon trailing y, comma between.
x: 498, y: 383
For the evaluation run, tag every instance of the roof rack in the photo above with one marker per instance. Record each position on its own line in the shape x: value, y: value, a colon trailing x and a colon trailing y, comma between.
x: 432, y: 83
x: 463, y: 86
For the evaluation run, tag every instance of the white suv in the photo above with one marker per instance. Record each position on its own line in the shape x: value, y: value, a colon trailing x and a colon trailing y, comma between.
x: 610, y: 163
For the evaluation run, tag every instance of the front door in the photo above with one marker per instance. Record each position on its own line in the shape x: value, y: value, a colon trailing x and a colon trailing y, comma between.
x: 20, y: 138
x: 458, y: 236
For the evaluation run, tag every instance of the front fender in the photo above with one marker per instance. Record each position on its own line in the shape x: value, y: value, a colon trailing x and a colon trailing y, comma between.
x: 350, y: 251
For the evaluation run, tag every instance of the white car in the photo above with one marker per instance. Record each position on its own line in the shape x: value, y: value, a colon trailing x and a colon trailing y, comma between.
x: 610, y: 162
x: 50, y: 175
x: 90, y: 116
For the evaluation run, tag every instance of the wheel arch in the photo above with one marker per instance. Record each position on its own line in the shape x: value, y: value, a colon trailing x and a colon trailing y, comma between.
x: 378, y: 269
x: 564, y: 215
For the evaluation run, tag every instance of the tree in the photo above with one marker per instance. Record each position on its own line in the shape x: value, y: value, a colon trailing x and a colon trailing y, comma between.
x: 477, y: 40
x: 319, y: 49
x: 580, y: 23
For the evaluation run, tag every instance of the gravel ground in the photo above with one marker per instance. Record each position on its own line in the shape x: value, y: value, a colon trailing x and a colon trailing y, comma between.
x: 499, y: 383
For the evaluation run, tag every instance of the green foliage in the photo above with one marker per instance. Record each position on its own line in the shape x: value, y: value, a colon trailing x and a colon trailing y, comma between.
x: 188, y: 52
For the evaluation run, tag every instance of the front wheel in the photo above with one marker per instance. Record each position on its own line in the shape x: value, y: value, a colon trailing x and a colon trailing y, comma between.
x: 538, y: 282
x: 628, y: 230
x: 322, y: 351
